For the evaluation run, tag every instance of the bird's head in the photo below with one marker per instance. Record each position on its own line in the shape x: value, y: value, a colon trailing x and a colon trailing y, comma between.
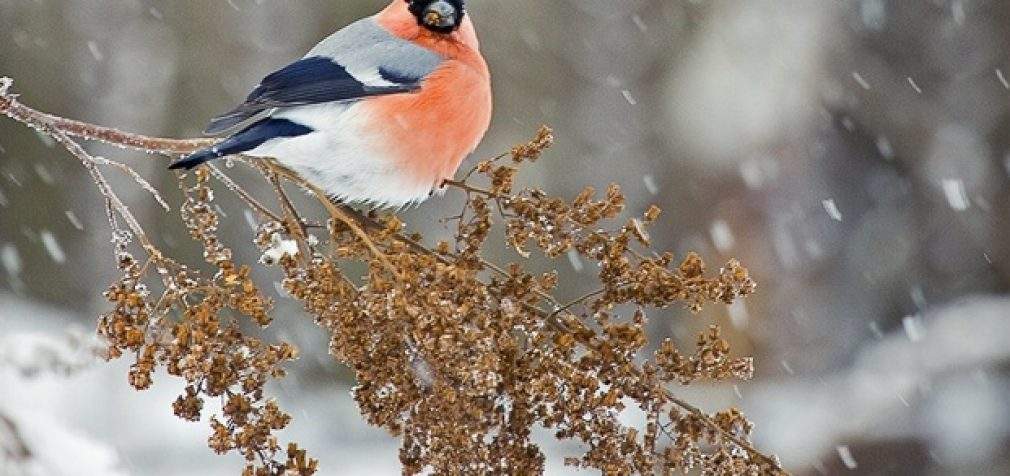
x: 440, y: 16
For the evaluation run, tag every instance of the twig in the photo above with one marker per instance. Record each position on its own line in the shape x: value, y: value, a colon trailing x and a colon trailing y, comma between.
x: 295, y: 223
x: 144, y: 184
x: 242, y: 193
x: 476, y: 167
x: 576, y: 302
x: 10, y: 107
x: 103, y: 185
x: 462, y: 185
x: 337, y: 214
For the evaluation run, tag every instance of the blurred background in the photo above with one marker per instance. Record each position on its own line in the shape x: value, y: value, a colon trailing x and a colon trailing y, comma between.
x: 854, y: 155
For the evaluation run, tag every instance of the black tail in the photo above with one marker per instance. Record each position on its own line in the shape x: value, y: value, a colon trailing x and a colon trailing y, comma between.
x: 245, y: 140
x: 193, y: 160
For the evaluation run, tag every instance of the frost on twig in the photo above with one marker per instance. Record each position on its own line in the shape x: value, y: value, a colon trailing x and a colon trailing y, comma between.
x: 139, y: 179
x: 460, y: 357
x: 10, y: 107
x: 41, y: 123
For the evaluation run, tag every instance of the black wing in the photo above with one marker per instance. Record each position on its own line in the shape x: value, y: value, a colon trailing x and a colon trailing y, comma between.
x: 312, y: 80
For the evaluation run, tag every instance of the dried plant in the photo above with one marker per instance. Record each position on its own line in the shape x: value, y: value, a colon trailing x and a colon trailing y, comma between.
x: 458, y: 356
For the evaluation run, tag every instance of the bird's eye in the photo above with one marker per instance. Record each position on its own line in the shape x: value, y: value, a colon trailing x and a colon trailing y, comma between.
x: 433, y: 18
x: 440, y: 16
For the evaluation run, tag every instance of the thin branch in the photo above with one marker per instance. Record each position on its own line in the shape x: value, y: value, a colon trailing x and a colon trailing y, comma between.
x: 476, y: 167
x: 295, y: 222
x: 338, y: 214
x: 44, y: 123
x: 242, y: 193
x: 462, y: 185
x: 144, y: 184
x: 577, y: 302
x: 104, y: 188
x: 10, y: 107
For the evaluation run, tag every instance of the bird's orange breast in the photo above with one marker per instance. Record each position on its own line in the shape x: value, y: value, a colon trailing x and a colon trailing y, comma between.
x: 431, y: 131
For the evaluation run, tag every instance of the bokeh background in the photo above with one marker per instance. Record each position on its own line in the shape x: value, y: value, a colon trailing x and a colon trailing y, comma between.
x: 854, y: 154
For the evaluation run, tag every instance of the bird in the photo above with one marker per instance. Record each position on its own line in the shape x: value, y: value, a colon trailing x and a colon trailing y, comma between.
x: 382, y: 112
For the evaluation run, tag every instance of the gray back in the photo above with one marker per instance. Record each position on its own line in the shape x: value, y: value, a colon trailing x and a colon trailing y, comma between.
x: 364, y: 46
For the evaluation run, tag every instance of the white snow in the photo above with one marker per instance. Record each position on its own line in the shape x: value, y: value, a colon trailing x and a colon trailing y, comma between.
x: 860, y: 80
x: 957, y: 196
x: 873, y: 13
x: 865, y: 399
x: 639, y: 22
x: 576, y: 261
x: 832, y: 208
x: 885, y: 148
x: 1002, y: 78
x: 722, y: 236
x: 95, y: 52
x: 43, y: 173
x: 11, y: 259
x: 653, y: 188
x: 846, y: 455
x: 74, y: 220
x: 913, y: 328
x: 738, y: 314
x: 957, y: 11
x: 279, y: 249
x: 915, y: 87
x: 628, y: 97
x: 53, y: 247
x: 250, y: 219
x: 759, y: 171
x: 875, y: 328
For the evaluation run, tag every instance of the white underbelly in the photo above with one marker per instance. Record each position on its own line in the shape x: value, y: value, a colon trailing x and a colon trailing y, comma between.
x: 339, y: 158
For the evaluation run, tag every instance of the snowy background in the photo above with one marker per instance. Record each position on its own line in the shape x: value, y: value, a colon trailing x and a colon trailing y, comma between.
x: 853, y: 154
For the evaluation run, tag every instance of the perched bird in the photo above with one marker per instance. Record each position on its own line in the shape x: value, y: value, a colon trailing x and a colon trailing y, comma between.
x: 380, y: 113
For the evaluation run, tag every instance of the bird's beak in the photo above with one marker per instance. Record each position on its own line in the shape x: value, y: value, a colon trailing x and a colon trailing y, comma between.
x: 440, y: 14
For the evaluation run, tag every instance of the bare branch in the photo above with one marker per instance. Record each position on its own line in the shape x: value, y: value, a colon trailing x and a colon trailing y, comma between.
x: 242, y: 193
x: 144, y: 184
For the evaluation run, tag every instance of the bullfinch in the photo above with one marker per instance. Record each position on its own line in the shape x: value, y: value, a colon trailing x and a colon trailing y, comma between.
x: 380, y: 113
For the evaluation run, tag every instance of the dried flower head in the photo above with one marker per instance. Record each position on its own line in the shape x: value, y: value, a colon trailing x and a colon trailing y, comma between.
x: 459, y: 357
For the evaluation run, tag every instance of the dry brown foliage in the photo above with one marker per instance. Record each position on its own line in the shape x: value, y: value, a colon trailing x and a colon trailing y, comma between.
x: 459, y: 357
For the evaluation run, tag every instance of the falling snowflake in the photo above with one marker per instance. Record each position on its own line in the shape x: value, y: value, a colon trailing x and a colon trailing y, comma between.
x: 832, y: 208
x: 956, y: 194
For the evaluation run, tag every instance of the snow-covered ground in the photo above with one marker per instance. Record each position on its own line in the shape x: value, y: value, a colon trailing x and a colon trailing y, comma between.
x: 939, y: 383
x: 89, y: 421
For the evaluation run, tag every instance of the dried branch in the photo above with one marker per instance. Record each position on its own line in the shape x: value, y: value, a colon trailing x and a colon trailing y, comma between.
x: 242, y: 193
x: 444, y: 343
x: 10, y: 107
x: 337, y: 214
x: 144, y: 184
